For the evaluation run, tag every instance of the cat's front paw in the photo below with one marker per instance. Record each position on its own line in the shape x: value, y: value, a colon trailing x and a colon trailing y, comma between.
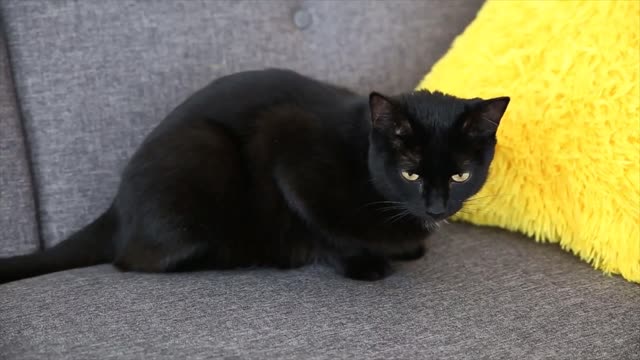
x: 366, y: 267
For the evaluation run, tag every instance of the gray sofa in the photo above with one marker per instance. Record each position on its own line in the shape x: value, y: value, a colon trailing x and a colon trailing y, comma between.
x: 82, y: 82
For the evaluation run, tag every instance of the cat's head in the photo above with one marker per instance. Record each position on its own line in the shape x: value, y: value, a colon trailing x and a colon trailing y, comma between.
x: 431, y: 151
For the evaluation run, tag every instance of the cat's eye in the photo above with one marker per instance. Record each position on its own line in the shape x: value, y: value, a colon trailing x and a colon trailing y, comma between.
x: 460, y: 178
x: 410, y: 176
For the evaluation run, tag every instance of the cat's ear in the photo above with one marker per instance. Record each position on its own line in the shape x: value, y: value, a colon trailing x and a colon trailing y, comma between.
x: 484, y: 117
x: 384, y: 118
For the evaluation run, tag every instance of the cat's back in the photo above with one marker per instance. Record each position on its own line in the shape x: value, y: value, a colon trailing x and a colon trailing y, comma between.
x: 235, y: 99
x: 260, y: 113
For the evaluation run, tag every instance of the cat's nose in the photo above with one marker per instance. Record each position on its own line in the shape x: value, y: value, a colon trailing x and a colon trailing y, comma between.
x: 436, y: 210
x: 435, y: 215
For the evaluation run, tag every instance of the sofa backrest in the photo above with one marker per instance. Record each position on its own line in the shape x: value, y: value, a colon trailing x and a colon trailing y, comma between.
x: 93, y: 77
x: 18, y: 225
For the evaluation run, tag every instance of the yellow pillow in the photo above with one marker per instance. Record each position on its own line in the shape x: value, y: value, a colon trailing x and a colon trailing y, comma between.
x: 567, y: 164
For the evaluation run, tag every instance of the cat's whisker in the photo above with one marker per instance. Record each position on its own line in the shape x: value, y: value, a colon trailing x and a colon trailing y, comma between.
x: 465, y: 213
x: 390, y: 219
x: 470, y: 212
x: 384, y: 202
x: 472, y: 206
x: 465, y: 204
x: 387, y: 209
x: 397, y: 217
x: 471, y: 203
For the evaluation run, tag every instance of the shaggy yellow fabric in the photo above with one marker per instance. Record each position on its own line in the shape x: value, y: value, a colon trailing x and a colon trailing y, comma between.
x: 567, y: 165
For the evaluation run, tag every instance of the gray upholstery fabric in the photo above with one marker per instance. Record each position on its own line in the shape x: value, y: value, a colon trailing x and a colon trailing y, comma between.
x: 95, y: 75
x: 480, y: 293
x: 18, y: 226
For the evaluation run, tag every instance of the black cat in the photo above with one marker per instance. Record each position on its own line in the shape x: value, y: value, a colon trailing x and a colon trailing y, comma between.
x: 272, y: 168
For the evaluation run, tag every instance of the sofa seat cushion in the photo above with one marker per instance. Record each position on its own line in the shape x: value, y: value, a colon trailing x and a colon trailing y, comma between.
x: 479, y: 293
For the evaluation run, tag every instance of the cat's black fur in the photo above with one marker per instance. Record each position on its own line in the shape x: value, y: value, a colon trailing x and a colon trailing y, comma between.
x: 271, y: 168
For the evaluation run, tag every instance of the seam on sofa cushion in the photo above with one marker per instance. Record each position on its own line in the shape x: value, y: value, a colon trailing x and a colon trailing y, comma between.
x: 14, y: 97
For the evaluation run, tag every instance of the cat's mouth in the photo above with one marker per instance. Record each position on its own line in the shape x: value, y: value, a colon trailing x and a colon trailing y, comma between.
x: 433, y: 224
x: 436, y: 218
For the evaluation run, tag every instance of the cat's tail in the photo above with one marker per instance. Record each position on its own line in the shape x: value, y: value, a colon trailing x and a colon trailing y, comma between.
x: 91, y: 245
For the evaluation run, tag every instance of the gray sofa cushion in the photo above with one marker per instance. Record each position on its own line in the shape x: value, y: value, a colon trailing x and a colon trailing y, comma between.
x: 94, y: 76
x: 18, y: 226
x: 479, y: 293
